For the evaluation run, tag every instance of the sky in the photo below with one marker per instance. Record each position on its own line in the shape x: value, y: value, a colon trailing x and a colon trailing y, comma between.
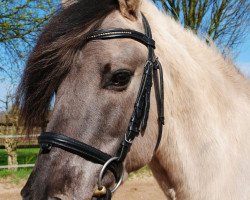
x: 243, y: 59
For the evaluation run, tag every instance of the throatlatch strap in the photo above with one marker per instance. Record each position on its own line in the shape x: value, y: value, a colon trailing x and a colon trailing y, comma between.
x: 159, y: 93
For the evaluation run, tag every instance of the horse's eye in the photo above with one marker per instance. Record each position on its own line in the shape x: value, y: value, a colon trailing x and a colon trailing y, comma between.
x: 120, y: 78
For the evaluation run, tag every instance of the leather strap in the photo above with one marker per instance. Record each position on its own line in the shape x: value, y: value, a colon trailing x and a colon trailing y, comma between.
x: 48, y: 140
x: 159, y: 93
x: 108, y: 34
x: 139, y: 116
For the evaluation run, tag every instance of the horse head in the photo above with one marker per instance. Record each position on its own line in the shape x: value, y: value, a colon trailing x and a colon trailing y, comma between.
x: 97, y: 58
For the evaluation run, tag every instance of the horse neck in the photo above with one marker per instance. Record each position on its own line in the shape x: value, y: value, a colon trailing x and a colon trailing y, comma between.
x: 207, y: 109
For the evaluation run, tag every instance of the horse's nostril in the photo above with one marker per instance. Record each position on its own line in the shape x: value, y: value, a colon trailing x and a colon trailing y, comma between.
x: 54, y: 198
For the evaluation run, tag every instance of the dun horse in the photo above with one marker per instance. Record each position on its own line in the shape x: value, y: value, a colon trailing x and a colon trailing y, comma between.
x: 204, y: 153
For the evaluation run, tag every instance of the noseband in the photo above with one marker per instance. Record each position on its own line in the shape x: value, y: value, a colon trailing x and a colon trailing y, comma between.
x: 138, y: 121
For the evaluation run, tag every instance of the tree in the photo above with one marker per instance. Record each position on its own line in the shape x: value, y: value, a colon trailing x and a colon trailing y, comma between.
x: 223, y: 21
x: 20, y: 23
x: 10, y: 128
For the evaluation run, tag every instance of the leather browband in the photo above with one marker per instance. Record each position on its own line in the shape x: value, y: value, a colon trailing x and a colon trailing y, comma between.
x: 121, y: 33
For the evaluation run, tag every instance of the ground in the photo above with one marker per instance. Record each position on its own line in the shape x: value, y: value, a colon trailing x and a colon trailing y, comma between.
x: 136, y: 188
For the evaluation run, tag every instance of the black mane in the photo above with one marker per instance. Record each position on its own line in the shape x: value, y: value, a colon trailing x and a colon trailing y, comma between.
x: 50, y: 60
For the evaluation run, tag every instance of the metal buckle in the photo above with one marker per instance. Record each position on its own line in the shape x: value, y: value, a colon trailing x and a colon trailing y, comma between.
x: 128, y: 141
x: 99, y: 182
x: 45, y: 148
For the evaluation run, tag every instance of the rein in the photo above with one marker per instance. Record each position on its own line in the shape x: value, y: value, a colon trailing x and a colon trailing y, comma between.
x: 138, y: 121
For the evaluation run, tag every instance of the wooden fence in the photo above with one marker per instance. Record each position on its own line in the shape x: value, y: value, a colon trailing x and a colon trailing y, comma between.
x: 23, y: 140
x: 18, y: 136
x: 16, y: 166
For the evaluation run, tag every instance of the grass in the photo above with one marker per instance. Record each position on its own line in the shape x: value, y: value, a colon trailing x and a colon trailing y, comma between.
x: 144, y: 171
x: 28, y: 156
x: 15, y: 176
x: 24, y: 156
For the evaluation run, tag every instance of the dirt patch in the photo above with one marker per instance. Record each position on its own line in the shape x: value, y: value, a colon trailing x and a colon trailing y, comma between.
x: 143, y: 188
x: 137, y: 188
x: 10, y: 191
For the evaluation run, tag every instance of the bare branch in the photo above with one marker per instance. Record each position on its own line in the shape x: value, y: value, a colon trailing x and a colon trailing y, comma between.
x: 20, y: 22
x: 224, y: 21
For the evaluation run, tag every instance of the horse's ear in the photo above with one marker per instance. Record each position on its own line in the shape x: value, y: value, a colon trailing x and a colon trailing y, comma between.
x: 67, y: 3
x: 130, y: 8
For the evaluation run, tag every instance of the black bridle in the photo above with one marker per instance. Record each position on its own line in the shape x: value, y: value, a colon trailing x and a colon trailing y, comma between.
x: 138, y: 121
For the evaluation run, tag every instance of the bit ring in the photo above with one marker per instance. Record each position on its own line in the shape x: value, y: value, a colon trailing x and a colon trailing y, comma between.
x: 99, y: 182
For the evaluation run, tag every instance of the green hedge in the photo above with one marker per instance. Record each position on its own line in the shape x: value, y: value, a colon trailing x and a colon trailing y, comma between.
x: 24, y: 156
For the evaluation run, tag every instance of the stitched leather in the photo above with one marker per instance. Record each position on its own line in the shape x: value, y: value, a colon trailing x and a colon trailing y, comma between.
x: 87, y: 152
x: 121, y: 33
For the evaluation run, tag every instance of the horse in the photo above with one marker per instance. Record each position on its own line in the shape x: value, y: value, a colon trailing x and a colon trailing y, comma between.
x: 205, y: 142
